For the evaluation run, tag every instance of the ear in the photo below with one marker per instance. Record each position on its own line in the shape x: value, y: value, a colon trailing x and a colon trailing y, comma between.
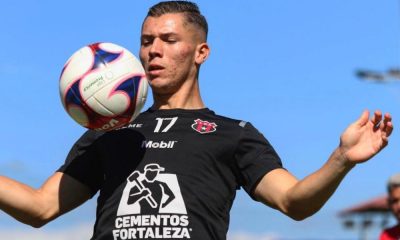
x: 202, y: 52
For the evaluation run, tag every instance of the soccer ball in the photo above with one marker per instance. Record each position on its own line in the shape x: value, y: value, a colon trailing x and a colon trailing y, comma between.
x: 103, y: 86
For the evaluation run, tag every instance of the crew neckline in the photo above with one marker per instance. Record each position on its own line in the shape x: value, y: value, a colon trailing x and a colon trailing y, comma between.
x: 178, y: 110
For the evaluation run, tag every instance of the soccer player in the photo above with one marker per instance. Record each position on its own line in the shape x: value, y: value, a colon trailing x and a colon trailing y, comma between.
x: 196, y: 158
x: 393, y: 189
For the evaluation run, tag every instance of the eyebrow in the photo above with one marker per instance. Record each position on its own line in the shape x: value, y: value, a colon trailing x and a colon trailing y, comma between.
x: 166, y: 34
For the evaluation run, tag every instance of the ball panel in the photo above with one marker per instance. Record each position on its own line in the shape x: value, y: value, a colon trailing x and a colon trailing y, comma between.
x: 103, y: 57
x: 93, y: 82
x: 78, y: 114
x: 77, y: 65
x: 109, y: 73
x: 98, y: 108
x: 72, y: 96
x: 111, y: 47
x: 141, y: 96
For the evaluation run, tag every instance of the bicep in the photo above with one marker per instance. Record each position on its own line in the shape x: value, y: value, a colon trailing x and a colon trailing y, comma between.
x: 63, y: 193
x: 273, y: 187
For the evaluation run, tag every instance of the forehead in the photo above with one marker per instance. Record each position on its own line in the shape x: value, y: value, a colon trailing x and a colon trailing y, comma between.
x: 395, y: 192
x: 172, y: 22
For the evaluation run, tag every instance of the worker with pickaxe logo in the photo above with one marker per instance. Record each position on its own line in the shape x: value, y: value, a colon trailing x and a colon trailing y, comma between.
x: 148, y: 191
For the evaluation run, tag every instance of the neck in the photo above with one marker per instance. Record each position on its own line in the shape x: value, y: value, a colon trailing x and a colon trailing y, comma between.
x: 188, y: 97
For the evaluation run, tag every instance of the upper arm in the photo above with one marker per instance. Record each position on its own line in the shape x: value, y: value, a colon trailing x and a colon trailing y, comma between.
x: 273, y: 187
x: 62, y: 193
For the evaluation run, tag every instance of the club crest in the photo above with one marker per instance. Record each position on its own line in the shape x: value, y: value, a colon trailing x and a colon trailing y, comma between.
x: 203, y: 127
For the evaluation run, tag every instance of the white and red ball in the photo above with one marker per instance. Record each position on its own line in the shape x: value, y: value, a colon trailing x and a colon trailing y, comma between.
x: 103, y: 86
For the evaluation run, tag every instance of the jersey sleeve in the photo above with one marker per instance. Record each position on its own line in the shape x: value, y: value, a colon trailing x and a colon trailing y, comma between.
x: 82, y: 162
x: 383, y: 236
x: 254, y: 157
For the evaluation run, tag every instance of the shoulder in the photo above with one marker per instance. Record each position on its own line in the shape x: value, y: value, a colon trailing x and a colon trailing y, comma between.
x: 89, y: 137
x: 94, y: 137
x: 241, y: 128
x: 390, y: 233
x: 229, y: 120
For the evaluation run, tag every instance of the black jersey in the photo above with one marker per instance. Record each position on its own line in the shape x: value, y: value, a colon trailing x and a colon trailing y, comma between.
x: 171, y: 174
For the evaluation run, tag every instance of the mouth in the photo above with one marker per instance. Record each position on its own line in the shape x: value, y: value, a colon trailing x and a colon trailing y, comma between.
x: 154, y: 69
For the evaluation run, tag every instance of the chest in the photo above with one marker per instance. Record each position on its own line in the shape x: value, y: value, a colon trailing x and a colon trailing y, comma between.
x: 186, y: 146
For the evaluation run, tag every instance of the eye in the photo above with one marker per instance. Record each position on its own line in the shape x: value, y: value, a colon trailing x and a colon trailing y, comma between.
x: 145, y: 41
x: 171, y: 40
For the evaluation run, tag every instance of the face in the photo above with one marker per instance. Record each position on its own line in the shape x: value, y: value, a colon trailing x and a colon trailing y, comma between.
x: 394, y: 202
x: 151, y: 175
x: 171, y: 51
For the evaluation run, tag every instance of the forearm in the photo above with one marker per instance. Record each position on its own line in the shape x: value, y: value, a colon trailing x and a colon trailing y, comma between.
x: 362, y: 140
x: 307, y: 196
x: 22, y: 202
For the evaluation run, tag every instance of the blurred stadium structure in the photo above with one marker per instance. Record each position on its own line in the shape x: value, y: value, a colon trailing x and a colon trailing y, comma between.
x: 375, y: 76
x: 362, y: 217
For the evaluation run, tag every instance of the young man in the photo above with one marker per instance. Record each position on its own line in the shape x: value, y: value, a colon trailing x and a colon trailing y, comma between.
x: 393, y: 188
x: 174, y: 173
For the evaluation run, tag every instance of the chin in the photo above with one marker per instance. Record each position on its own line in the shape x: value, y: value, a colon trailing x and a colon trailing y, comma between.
x: 160, y: 89
x: 158, y: 86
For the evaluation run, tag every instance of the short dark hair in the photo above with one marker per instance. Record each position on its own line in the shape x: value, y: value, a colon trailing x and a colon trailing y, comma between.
x: 393, y: 182
x: 189, y: 9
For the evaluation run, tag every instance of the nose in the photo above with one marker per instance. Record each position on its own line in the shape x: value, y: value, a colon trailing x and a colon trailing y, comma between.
x: 395, y: 205
x: 156, y: 48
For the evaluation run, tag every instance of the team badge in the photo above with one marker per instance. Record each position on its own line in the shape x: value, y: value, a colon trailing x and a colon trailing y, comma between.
x: 204, y: 126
